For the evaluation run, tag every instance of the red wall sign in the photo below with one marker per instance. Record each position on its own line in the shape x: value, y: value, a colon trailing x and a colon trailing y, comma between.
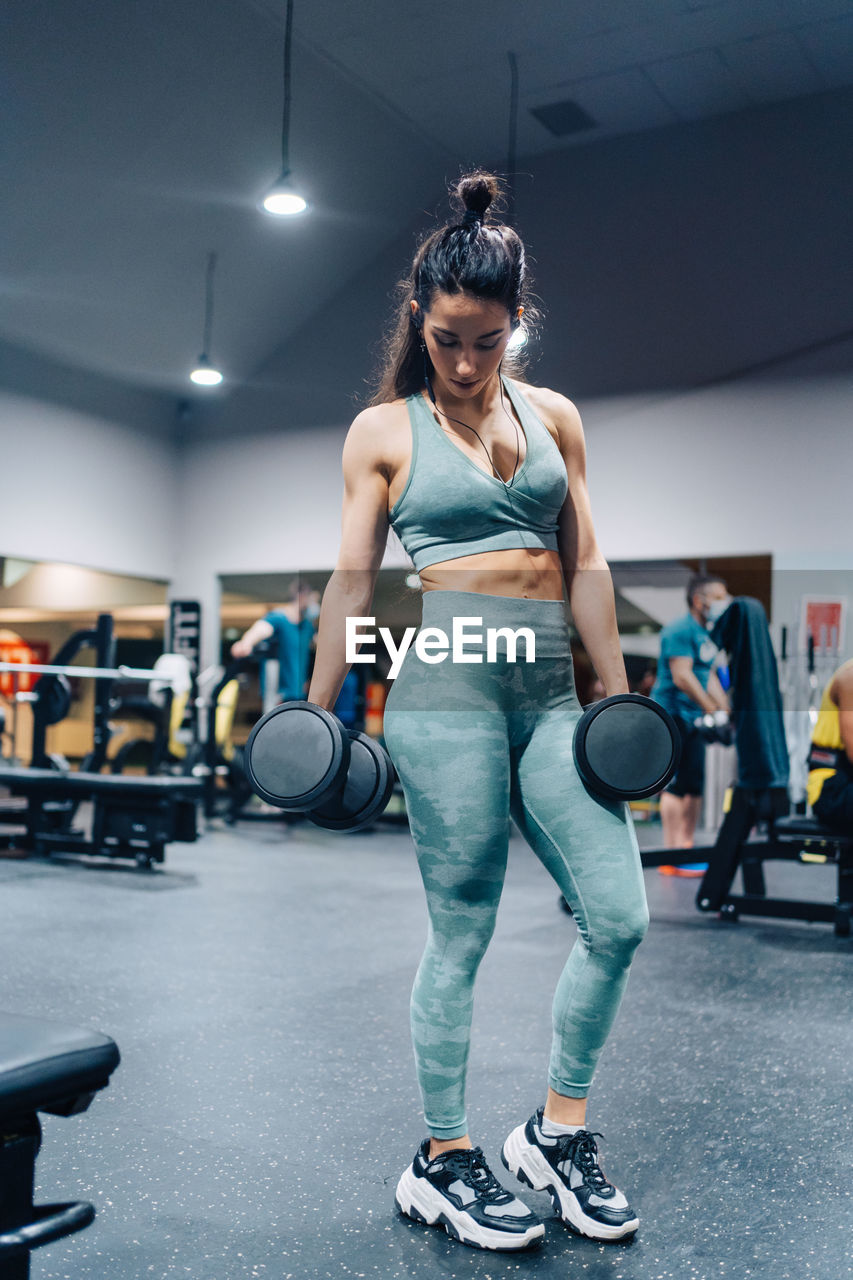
x: 823, y: 620
x: 25, y: 651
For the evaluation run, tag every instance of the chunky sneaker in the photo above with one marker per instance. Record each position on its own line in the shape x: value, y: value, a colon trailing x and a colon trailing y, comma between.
x: 457, y: 1190
x: 567, y: 1168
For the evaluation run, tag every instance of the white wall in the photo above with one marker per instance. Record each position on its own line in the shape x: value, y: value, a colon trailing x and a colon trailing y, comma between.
x: 756, y: 466
x: 85, y: 490
x: 88, y: 473
x: 748, y: 467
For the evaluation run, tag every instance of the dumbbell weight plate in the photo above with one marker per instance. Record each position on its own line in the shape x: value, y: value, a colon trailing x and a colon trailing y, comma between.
x: 53, y: 698
x: 626, y: 747
x: 297, y: 755
x: 366, y: 792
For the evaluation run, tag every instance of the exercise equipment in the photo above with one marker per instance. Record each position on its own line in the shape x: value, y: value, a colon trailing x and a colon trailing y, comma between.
x: 51, y: 696
x: 163, y: 705
x: 132, y: 817
x: 626, y: 747
x: 366, y: 790
x: 48, y: 1067
x: 756, y: 829
x: 716, y: 727
x: 300, y: 758
x: 785, y: 837
x: 213, y: 755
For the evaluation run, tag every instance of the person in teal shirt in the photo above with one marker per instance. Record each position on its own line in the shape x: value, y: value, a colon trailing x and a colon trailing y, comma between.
x: 293, y: 624
x: 687, y: 686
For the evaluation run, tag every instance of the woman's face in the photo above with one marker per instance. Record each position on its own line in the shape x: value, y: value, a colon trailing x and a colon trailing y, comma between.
x: 465, y: 338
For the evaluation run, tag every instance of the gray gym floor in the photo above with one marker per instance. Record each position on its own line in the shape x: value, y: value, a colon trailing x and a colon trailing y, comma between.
x: 257, y: 986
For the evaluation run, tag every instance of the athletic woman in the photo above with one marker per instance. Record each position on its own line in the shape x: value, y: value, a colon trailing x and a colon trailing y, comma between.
x: 482, y: 477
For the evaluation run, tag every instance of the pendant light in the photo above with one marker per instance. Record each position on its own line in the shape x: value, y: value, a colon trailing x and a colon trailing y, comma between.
x: 283, y: 197
x: 519, y: 335
x: 205, y: 374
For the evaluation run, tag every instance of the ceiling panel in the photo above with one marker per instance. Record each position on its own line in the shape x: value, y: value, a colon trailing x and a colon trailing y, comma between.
x: 829, y: 45
x: 698, y: 84
x: 771, y: 67
x: 619, y: 103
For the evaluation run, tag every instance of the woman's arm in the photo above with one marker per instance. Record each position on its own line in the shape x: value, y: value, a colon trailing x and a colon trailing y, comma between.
x: 364, y: 533
x: 588, y: 580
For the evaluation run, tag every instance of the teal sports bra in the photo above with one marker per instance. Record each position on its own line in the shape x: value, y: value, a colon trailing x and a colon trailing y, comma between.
x: 450, y: 507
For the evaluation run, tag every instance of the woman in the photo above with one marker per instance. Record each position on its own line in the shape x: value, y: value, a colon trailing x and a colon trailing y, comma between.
x: 484, y: 483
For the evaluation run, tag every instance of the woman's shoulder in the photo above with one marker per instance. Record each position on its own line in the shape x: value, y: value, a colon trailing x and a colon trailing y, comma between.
x: 379, y: 420
x: 378, y: 432
x: 558, y: 412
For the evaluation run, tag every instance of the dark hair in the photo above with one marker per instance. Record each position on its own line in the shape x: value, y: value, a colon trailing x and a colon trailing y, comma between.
x: 471, y: 255
x: 698, y: 582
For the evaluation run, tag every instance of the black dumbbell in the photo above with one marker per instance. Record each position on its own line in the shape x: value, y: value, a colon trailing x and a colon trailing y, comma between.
x: 715, y: 728
x: 301, y: 758
x: 626, y: 747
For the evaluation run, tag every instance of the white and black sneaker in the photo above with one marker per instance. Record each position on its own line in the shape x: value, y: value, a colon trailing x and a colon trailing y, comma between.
x: 458, y: 1191
x: 567, y: 1168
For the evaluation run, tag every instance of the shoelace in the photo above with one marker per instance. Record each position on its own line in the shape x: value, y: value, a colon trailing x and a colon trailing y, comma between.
x: 580, y: 1147
x: 472, y: 1169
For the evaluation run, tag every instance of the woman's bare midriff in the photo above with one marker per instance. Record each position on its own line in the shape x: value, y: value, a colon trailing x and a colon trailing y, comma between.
x: 529, y: 573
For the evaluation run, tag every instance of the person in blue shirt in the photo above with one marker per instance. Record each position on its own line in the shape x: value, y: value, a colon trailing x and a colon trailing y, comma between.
x: 687, y: 686
x: 293, y: 624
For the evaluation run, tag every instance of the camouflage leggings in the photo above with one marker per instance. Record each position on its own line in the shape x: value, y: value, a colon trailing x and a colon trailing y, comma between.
x: 474, y: 743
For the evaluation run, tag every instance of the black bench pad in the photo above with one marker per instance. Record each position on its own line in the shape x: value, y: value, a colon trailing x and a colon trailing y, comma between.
x: 36, y: 781
x: 48, y: 1066
x: 798, y: 825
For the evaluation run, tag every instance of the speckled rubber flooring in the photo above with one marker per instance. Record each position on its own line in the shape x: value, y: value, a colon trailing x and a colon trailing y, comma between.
x: 257, y: 987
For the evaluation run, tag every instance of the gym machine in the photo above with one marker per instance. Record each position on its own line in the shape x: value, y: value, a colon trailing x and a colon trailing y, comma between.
x: 131, y: 817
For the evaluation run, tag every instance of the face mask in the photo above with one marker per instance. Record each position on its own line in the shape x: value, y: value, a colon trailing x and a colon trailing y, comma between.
x: 715, y: 610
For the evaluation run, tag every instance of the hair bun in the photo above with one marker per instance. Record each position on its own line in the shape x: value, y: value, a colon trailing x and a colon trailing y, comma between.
x: 476, y: 191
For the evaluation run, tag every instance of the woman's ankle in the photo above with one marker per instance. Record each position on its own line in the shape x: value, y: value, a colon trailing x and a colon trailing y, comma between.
x: 563, y: 1110
x: 438, y: 1146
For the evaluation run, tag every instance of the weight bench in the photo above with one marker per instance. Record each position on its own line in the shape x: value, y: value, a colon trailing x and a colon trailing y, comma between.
x: 133, y: 817
x: 44, y: 1066
x: 789, y: 838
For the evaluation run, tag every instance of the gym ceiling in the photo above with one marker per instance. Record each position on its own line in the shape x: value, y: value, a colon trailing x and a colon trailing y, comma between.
x: 137, y: 136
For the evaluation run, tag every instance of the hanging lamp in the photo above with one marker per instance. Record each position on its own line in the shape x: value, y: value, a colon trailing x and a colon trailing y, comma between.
x: 283, y: 198
x: 206, y: 374
x: 519, y: 335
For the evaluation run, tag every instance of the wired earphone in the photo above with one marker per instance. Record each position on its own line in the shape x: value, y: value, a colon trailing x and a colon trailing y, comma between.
x: 506, y: 483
